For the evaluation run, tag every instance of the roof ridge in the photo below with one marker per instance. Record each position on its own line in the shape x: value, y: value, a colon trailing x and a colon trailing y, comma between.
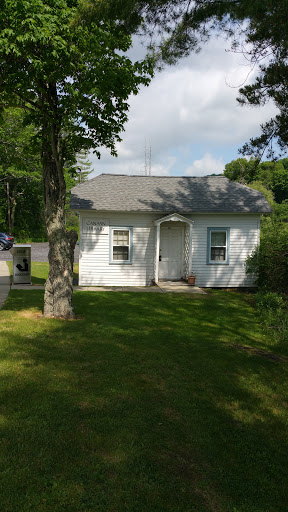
x: 181, y: 194
x: 158, y: 177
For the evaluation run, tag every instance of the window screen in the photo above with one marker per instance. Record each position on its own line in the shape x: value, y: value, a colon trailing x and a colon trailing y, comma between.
x: 218, y: 246
x: 121, y: 243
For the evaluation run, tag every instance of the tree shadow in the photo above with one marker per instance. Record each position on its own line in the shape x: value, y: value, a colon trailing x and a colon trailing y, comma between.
x: 215, y: 195
x: 141, y: 405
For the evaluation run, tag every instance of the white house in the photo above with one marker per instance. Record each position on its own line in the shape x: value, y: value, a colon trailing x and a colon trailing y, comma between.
x: 136, y: 230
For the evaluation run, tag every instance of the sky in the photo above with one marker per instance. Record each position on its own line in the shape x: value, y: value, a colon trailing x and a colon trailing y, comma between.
x: 188, y: 118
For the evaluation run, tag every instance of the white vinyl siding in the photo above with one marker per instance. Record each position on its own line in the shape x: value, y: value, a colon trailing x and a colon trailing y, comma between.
x: 95, y: 268
x: 244, y: 236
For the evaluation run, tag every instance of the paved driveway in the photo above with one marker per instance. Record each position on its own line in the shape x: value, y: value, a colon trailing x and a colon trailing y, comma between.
x: 39, y: 252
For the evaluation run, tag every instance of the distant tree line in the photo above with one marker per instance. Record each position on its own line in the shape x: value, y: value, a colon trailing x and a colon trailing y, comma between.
x: 272, y: 175
x: 21, y: 184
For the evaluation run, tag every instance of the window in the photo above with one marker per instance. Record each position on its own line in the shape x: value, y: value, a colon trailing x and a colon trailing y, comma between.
x: 121, y: 245
x: 218, y: 246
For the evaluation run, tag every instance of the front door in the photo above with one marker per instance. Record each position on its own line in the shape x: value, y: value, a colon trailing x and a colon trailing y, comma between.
x: 171, y: 251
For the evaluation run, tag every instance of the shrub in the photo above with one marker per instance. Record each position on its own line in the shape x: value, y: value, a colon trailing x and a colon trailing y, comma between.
x: 269, y: 260
x: 271, y: 301
x: 273, y: 310
x: 269, y: 263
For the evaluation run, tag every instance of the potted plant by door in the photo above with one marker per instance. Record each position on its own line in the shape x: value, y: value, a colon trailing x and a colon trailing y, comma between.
x: 191, y: 279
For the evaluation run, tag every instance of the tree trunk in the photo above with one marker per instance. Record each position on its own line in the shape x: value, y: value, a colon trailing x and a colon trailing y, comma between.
x: 8, y: 208
x: 59, y: 285
x: 13, y: 204
x: 58, y: 297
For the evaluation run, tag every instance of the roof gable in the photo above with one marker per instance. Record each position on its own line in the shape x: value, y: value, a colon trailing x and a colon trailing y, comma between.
x: 184, y: 195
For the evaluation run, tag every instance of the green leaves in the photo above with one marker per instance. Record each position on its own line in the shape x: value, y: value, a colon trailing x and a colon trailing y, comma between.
x: 256, y: 28
x: 73, y: 83
x: 21, y: 201
x: 268, y: 177
x: 43, y: 47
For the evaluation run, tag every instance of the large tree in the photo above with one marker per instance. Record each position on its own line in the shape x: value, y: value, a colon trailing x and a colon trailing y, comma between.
x: 257, y: 28
x: 73, y: 80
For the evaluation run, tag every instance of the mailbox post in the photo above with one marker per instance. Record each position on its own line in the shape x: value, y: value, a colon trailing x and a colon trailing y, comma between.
x: 21, y: 264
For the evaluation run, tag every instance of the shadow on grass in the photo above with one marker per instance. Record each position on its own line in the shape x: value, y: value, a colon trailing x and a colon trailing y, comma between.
x: 143, y: 405
x: 39, y: 272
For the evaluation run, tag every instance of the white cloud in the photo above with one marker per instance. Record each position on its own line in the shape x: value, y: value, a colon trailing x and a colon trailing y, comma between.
x: 207, y: 165
x: 186, y: 107
x: 133, y: 166
x: 163, y: 169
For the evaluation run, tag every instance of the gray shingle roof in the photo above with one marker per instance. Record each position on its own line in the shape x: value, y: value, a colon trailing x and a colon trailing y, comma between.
x: 211, y: 194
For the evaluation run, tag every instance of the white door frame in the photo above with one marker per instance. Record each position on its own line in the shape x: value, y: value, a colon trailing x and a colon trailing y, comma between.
x: 174, y: 217
x: 172, y: 254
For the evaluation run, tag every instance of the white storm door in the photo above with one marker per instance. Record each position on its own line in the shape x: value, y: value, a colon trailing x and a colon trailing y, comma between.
x: 171, y: 252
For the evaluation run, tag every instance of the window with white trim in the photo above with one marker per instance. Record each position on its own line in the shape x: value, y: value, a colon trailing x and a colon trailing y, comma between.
x: 121, y: 245
x: 218, y: 246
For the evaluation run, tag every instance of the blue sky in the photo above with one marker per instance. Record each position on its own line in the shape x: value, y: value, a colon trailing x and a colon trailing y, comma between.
x: 189, y: 117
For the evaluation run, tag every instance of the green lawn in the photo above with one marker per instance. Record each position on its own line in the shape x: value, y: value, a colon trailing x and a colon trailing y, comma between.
x: 39, y: 271
x: 142, y: 404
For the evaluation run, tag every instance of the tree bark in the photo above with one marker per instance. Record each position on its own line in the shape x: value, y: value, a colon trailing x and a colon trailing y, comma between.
x: 11, y: 206
x: 58, y: 294
x: 8, y: 208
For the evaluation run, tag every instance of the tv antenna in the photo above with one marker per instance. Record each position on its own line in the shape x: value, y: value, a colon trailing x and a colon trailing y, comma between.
x: 148, y: 171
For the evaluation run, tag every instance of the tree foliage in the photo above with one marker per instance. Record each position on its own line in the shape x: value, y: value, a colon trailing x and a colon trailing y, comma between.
x: 77, y: 173
x: 241, y: 170
x: 73, y: 81
x: 269, y: 260
x: 273, y: 176
x: 21, y: 190
x: 83, y: 167
x: 256, y: 28
x: 71, y: 77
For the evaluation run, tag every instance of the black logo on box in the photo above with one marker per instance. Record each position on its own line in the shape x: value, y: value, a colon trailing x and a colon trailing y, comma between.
x: 23, y: 268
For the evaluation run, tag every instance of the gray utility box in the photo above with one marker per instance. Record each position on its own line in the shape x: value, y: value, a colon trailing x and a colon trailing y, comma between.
x: 21, y: 264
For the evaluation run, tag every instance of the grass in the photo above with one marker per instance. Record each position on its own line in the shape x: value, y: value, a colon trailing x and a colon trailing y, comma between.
x: 39, y: 272
x: 31, y: 240
x: 143, y: 404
